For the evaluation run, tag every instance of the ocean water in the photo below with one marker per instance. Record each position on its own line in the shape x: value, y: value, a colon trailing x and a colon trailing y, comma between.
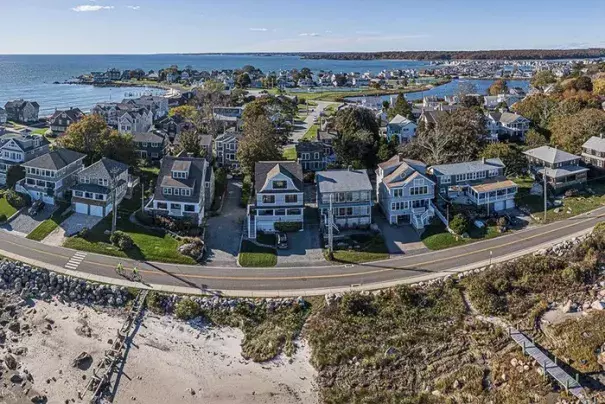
x: 32, y: 76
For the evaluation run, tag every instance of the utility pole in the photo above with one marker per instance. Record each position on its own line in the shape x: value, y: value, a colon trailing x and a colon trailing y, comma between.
x: 330, y: 229
x: 545, y: 193
x: 114, y: 219
x: 142, y: 197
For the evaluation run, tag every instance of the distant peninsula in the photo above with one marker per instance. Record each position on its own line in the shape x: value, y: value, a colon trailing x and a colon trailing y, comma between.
x: 512, y: 54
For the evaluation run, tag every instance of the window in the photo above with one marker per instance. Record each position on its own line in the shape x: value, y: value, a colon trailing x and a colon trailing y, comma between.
x: 316, y: 156
x: 291, y: 198
x: 88, y: 195
x: 162, y: 205
x: 446, y: 179
x: 280, y: 212
x: 79, y: 193
x: 398, y: 193
x: 305, y: 156
x: 419, y: 190
x: 280, y: 184
x: 294, y: 212
x: 167, y: 191
x: 99, y: 197
x: 268, y: 198
x: 179, y: 174
x: 175, y: 206
x: 189, y: 208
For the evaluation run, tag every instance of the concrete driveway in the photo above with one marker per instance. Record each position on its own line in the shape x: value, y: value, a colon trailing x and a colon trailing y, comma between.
x: 301, y: 129
x: 224, y: 232
x: 23, y: 224
x: 402, y: 239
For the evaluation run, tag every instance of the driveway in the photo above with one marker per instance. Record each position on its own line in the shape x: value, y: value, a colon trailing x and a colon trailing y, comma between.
x: 78, y: 221
x: 402, y: 239
x: 300, y: 130
x: 224, y: 232
x: 304, y: 249
x: 23, y: 224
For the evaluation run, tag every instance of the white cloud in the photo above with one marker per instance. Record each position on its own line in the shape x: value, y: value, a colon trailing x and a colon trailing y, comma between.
x: 309, y: 34
x: 88, y: 8
x: 259, y: 29
x: 134, y: 7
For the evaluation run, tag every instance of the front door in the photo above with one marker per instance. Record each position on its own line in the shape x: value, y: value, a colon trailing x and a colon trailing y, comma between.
x: 403, y: 219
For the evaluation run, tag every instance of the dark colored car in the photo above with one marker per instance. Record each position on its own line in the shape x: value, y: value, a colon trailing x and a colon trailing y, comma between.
x: 36, y: 207
x: 282, y: 241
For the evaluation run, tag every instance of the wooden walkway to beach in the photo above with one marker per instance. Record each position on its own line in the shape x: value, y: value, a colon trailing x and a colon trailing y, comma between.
x: 570, y: 384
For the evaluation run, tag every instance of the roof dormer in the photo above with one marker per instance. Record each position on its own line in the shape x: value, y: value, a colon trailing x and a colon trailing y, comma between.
x: 180, y: 170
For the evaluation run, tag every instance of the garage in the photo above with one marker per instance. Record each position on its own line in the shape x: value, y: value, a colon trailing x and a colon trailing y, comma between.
x: 48, y: 200
x: 498, y: 206
x: 96, y: 211
x: 82, y: 208
x: 510, y: 204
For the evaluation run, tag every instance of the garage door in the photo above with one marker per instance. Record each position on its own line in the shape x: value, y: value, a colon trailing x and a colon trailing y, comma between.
x: 510, y: 204
x: 498, y: 206
x: 48, y: 200
x: 82, y: 208
x: 96, y: 211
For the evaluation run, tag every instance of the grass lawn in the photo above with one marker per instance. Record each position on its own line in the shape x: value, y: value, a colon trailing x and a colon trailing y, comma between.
x: 290, y: 154
x: 41, y: 131
x: 149, y: 245
x: 592, y: 198
x: 252, y: 255
x: 6, y: 208
x: 311, y: 134
x: 372, y: 248
x: 47, y: 226
x: 436, y: 237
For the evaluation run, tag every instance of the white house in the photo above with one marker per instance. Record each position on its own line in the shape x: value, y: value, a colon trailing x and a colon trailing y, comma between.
x: 17, y: 149
x: 279, y: 196
x: 401, y: 128
x: 404, y: 192
x: 506, y: 123
x: 93, y: 192
x: 48, y: 176
x: 135, y: 120
x: 3, y: 116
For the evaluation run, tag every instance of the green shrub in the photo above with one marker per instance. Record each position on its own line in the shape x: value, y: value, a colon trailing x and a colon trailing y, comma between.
x: 288, y: 227
x: 121, y: 240
x: 459, y: 224
x: 2, y: 218
x: 16, y: 200
x: 187, y: 309
x: 246, y: 191
x: 84, y: 232
x: 144, y: 218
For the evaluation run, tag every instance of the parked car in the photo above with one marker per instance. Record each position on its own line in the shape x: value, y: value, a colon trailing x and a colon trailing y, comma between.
x: 281, y: 241
x: 36, y: 207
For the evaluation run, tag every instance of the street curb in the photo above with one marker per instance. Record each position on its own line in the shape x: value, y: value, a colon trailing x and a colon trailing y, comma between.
x: 287, y: 293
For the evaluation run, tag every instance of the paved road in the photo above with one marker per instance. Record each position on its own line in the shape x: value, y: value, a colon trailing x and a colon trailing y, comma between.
x: 298, y: 278
x: 300, y: 131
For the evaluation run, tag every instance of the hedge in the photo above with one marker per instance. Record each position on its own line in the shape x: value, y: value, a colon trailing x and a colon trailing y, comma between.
x: 288, y: 227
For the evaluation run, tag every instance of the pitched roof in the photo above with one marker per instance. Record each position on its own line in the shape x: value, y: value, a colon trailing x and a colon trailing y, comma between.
x: 309, y: 147
x: 196, y: 168
x: 74, y: 114
x: 467, y: 167
x: 551, y: 155
x: 148, y: 137
x: 105, y: 168
x: 563, y: 171
x: 433, y: 116
x: 25, y: 142
x: 505, y: 117
x: 267, y: 169
x: 595, y: 143
x: 323, y: 135
x: 343, y: 181
x: 55, y: 160
x: 399, y: 120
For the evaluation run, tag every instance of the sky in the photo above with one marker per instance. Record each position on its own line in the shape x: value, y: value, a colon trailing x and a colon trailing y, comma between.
x: 199, y: 26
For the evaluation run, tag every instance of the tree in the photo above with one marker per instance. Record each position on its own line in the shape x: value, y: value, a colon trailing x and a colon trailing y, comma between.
x: 534, y: 139
x: 243, y: 80
x: 498, y: 87
x: 14, y: 174
x: 471, y: 101
x: 357, y: 149
x: 459, y: 224
x: 260, y: 143
x: 340, y: 79
x: 94, y: 138
x: 598, y: 86
x: 538, y: 108
x: 583, y: 83
x: 455, y: 137
x: 86, y: 136
x: 569, y: 132
x: 186, y: 112
x: 120, y: 147
x: 386, y: 149
x: 354, y: 119
x: 542, y: 79
x: 190, y: 143
x: 213, y: 86
x: 510, y: 154
x: 400, y: 107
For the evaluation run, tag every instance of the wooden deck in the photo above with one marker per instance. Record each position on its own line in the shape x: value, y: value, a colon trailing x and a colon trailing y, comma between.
x: 529, y: 348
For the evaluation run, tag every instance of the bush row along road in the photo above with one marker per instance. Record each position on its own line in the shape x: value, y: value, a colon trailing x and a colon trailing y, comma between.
x: 276, y: 279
